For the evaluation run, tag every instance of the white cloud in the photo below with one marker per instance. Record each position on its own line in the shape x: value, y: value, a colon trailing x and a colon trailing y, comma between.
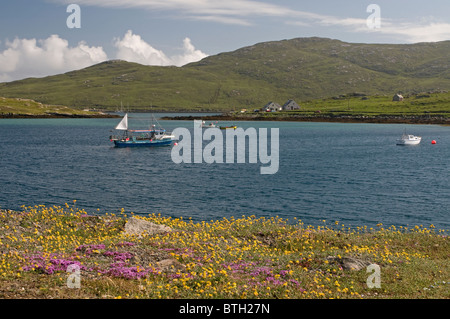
x: 190, y: 54
x: 25, y: 58
x: 37, y: 58
x: 429, y: 30
x: 219, y: 7
x: 417, y: 32
x: 244, y: 12
x: 133, y: 48
x: 220, y: 11
x: 223, y: 20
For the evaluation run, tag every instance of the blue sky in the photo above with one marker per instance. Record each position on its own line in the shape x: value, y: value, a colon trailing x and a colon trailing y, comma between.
x: 35, y: 40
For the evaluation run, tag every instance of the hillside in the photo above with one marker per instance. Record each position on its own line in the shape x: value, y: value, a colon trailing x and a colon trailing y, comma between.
x: 17, y: 107
x: 300, y: 69
x: 421, y: 108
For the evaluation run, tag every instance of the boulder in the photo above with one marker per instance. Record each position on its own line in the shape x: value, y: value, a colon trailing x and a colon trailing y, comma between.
x: 136, y: 226
x: 350, y: 263
x: 170, y: 265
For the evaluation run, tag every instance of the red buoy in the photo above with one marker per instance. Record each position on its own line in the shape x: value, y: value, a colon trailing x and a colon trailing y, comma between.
x: 433, y: 142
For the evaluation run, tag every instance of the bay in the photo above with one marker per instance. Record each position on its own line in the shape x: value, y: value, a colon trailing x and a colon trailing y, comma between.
x: 351, y: 173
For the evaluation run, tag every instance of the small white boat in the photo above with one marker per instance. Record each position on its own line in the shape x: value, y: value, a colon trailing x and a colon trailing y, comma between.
x: 203, y: 125
x: 408, y: 139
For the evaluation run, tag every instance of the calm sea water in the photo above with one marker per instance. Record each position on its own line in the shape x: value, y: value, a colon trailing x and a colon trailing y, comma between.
x: 351, y: 173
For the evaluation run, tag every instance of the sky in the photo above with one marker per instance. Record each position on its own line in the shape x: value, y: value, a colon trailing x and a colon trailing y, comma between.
x: 46, y: 37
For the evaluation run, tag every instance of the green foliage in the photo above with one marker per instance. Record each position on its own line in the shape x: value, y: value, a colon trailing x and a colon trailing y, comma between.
x: 229, y: 258
x: 18, y: 106
x: 300, y: 69
x: 424, y: 104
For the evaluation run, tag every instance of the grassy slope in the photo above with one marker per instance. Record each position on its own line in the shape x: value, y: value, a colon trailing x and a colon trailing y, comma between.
x: 19, y: 106
x: 302, y: 69
x: 319, y: 68
x: 429, y: 107
x: 433, y: 103
x: 117, y: 83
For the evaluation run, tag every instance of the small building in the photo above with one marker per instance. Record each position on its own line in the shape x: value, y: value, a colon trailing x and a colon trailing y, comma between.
x: 290, y: 105
x: 272, y: 107
x: 397, y: 98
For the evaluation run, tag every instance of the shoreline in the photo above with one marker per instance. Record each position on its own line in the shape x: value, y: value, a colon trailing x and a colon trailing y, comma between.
x: 386, y: 119
x: 56, y: 116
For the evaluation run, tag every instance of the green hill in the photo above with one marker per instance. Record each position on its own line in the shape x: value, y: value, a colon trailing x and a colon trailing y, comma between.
x: 300, y: 69
x: 18, y: 107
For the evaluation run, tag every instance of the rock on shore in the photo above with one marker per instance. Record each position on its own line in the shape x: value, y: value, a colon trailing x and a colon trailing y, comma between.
x: 136, y: 226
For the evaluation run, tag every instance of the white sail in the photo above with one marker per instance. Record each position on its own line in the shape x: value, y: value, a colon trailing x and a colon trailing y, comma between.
x: 123, y: 125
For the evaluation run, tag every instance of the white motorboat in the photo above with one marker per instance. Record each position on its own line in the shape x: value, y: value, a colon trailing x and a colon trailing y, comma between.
x: 408, y: 139
x: 203, y: 125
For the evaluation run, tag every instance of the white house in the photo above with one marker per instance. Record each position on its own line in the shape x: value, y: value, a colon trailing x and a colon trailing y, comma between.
x: 397, y: 98
x: 272, y: 107
x: 290, y: 106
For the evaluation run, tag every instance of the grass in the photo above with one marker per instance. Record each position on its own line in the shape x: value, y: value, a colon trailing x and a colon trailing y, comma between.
x: 436, y: 104
x: 18, y: 106
x: 250, y: 77
x: 420, y: 105
x: 234, y: 258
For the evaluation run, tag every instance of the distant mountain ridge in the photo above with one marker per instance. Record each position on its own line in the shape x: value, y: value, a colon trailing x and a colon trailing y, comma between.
x: 299, y: 69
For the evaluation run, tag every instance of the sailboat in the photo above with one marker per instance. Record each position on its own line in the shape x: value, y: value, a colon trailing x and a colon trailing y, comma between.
x: 140, y: 138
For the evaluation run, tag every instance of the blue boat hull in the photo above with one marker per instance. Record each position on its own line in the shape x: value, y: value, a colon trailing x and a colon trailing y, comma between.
x: 146, y: 143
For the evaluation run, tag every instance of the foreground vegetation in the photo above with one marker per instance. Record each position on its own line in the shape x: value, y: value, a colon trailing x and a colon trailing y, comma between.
x: 245, y: 257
